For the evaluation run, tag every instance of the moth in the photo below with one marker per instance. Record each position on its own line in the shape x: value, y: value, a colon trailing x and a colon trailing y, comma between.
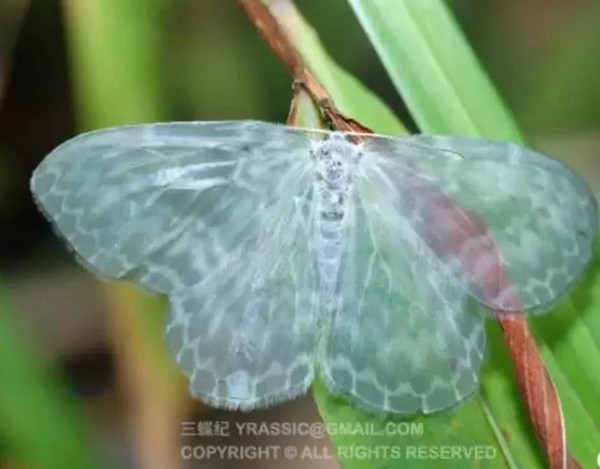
x: 289, y: 252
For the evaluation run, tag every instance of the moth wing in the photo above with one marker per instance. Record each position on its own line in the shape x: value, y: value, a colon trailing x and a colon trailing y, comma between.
x: 406, y: 336
x: 215, y: 215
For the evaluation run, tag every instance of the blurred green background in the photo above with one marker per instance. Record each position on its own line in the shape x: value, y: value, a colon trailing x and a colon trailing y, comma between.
x: 84, y: 380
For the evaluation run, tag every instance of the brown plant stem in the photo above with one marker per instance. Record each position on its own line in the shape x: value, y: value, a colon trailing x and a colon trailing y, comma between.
x: 537, y: 391
x: 536, y: 387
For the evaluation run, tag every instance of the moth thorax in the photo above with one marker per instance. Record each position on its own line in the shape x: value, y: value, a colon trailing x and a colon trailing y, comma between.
x: 336, y: 160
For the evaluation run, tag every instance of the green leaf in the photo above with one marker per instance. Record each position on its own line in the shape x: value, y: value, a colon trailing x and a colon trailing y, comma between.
x: 114, y: 48
x: 39, y: 419
x: 421, y: 441
x: 434, y: 68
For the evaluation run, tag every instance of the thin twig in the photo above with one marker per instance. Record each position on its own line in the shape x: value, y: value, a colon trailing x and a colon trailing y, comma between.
x: 535, y: 385
x: 275, y: 36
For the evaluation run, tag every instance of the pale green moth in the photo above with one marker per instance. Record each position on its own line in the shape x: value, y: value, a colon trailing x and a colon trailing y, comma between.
x: 288, y: 252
